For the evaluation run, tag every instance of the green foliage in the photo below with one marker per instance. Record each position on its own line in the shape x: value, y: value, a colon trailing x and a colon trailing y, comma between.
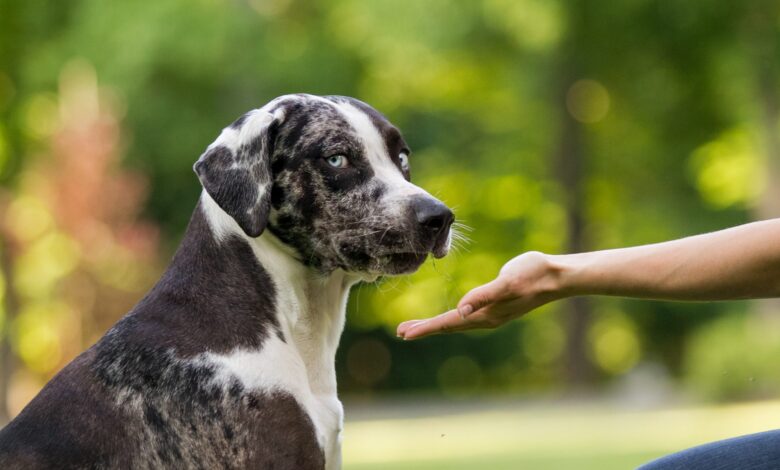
x: 735, y: 358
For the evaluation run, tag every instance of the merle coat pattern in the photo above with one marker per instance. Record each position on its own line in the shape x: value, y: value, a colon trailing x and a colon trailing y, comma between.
x: 228, y: 362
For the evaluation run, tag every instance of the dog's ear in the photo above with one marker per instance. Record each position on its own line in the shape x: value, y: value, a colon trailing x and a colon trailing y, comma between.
x: 235, y: 170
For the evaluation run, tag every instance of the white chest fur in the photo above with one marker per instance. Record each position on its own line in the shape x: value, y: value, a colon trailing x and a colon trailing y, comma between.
x: 310, y: 310
x: 279, y: 367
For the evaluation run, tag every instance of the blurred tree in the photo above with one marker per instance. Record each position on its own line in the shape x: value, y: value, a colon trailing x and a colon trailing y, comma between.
x: 16, y: 34
x: 576, y: 101
x: 76, y: 255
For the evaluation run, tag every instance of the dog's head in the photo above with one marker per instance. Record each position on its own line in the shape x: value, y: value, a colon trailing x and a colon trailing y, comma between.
x: 329, y: 177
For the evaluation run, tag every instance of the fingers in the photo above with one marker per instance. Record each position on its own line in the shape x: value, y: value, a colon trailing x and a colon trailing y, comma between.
x: 459, y: 318
x: 405, y: 326
x: 462, y: 317
x: 481, y: 296
x: 446, y: 322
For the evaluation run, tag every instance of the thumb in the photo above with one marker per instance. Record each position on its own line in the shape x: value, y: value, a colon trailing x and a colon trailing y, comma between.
x: 481, y: 297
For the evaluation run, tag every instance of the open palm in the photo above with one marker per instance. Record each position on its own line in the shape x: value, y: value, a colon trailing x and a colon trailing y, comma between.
x: 524, y: 283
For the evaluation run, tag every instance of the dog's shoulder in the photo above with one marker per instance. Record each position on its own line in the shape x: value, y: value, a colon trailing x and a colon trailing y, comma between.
x: 64, y: 425
x: 190, y: 410
x: 128, y: 402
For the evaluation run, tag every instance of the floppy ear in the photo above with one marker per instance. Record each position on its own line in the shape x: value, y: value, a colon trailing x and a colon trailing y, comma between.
x: 235, y: 170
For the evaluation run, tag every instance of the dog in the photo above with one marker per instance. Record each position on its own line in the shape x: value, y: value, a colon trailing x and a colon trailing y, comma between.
x: 229, y: 360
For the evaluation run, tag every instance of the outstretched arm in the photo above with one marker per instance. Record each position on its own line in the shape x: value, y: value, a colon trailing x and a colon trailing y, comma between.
x: 737, y: 263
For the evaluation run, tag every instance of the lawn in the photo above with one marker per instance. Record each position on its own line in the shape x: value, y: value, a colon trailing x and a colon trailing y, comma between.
x: 549, y: 436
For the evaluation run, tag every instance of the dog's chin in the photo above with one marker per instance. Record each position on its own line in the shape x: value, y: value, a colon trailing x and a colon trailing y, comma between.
x: 400, y: 263
x: 390, y: 264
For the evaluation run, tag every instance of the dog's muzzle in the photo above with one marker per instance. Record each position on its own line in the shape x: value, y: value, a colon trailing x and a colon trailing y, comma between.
x: 433, y: 220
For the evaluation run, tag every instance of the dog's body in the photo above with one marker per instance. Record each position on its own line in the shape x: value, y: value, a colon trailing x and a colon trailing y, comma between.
x: 228, y: 362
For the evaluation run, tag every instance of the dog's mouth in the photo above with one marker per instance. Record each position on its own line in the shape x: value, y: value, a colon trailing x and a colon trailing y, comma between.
x: 405, y: 262
x: 394, y: 253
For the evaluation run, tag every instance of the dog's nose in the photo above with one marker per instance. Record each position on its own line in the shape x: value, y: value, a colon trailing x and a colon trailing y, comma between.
x: 432, y: 215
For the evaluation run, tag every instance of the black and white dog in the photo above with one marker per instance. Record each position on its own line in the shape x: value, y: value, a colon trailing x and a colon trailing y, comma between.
x: 228, y: 362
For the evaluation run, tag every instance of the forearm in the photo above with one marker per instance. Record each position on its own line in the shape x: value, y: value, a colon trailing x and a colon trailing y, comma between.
x: 740, y: 262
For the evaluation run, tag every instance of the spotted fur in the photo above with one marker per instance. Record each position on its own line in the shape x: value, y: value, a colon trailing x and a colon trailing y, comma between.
x: 228, y: 362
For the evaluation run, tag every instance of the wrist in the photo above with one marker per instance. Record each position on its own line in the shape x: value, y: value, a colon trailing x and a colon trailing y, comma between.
x: 567, y: 272
x: 554, y: 280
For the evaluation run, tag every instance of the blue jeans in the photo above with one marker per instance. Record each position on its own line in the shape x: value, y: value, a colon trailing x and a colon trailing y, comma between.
x: 752, y: 452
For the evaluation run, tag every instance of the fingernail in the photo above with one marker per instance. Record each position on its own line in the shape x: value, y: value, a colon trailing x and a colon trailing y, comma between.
x: 465, y: 310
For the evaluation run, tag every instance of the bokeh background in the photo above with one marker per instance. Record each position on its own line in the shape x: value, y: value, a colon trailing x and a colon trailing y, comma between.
x: 548, y: 125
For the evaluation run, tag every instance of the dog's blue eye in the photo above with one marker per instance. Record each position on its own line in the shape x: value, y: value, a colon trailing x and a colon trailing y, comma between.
x: 338, y: 161
x: 404, y: 159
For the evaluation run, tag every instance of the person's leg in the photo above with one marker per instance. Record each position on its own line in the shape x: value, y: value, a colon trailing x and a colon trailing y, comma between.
x: 752, y: 452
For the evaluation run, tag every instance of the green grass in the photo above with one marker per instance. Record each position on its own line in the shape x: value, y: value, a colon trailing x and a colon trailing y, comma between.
x: 516, y: 461
x: 556, y: 437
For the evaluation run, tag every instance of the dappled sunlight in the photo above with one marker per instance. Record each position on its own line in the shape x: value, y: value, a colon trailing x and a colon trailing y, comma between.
x: 543, y: 340
x: 614, y: 342
x: 587, y: 101
x: 44, y: 264
x: 39, y: 334
x: 735, y: 358
x: 509, y: 197
x: 29, y: 216
x: 41, y: 115
x: 534, y: 24
x: 729, y: 170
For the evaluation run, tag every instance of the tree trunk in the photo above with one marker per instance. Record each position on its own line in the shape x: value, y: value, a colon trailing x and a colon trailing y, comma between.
x: 569, y: 172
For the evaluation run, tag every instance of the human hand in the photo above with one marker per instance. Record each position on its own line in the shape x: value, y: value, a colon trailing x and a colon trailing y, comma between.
x: 523, y: 284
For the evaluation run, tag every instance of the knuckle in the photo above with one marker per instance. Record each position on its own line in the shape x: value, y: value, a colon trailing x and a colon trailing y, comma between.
x: 479, y: 299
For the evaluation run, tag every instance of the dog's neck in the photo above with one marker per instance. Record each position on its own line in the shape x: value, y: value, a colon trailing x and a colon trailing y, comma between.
x: 311, y: 306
